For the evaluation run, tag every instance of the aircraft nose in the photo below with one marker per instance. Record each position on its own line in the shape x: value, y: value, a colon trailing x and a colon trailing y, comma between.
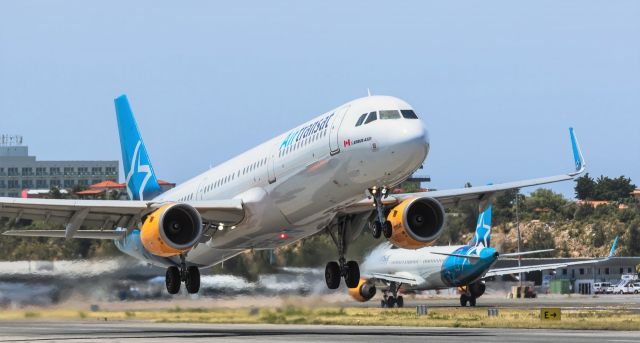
x: 414, y: 134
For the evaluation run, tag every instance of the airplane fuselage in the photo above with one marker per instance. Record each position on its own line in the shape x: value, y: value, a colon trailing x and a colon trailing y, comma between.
x: 293, y: 185
x: 431, y: 271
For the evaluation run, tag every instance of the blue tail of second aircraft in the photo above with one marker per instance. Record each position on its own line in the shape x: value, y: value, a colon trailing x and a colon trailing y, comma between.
x: 141, y: 180
x: 483, y: 229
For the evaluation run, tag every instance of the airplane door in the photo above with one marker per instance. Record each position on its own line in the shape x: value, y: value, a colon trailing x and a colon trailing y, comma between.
x: 334, y: 144
x: 271, y: 164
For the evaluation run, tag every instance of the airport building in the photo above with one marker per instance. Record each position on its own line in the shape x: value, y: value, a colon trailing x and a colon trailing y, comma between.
x: 582, y: 277
x: 19, y: 171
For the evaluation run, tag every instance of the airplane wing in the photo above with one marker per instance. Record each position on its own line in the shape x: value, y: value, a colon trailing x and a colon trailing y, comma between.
x: 404, y: 278
x: 456, y: 197
x: 526, y: 269
x: 104, y: 215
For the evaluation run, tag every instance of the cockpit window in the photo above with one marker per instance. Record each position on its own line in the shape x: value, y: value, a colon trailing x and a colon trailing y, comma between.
x: 372, y: 116
x: 389, y: 114
x: 409, y: 114
x: 361, y: 119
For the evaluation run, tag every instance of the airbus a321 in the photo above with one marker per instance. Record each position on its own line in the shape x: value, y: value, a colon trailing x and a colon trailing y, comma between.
x: 439, y: 267
x: 331, y: 174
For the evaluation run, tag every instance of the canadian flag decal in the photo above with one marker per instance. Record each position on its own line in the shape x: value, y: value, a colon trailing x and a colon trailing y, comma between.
x: 347, y: 142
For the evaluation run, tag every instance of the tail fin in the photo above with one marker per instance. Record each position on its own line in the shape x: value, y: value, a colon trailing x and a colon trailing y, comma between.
x: 483, y: 229
x: 613, y: 247
x: 140, y: 179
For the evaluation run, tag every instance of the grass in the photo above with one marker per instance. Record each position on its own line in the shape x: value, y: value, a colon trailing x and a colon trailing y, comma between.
x: 609, y: 319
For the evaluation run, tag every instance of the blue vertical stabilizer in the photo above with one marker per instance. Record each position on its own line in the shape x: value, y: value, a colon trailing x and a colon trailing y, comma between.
x: 141, y: 180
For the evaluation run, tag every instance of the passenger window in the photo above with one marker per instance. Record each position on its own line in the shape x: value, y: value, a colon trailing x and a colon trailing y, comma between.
x: 409, y: 114
x: 361, y: 119
x: 372, y: 116
x: 389, y: 114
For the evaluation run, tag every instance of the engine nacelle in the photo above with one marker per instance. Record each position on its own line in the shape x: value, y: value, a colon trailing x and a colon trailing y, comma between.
x: 416, y: 222
x: 477, y: 289
x: 364, y: 291
x: 171, y: 230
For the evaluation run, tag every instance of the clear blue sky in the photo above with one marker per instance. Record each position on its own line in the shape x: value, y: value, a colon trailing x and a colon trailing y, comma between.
x: 496, y: 82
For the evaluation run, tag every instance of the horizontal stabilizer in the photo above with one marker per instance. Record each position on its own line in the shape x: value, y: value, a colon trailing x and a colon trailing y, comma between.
x: 471, y: 257
x: 514, y: 254
x: 91, y: 234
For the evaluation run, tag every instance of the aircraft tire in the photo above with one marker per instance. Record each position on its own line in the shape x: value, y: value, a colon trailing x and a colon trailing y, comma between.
x: 172, y: 280
x: 472, y: 301
x: 463, y: 300
x: 352, y: 275
x: 192, y: 282
x: 391, y: 301
x: 376, y: 229
x: 332, y: 275
x: 400, y: 301
x: 387, y: 231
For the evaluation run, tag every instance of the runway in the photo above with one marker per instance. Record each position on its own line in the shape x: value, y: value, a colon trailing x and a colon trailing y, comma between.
x: 131, y: 331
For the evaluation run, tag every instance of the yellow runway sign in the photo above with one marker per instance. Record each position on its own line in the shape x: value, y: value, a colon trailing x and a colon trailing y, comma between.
x: 553, y: 313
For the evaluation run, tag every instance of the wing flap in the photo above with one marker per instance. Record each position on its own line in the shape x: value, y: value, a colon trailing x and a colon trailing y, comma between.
x: 93, y: 234
x: 396, y: 278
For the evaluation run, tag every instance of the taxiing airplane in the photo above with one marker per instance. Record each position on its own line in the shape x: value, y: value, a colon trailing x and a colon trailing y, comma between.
x: 330, y: 174
x: 440, y: 267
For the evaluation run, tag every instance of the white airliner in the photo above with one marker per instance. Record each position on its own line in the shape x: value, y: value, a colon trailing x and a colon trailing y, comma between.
x: 440, y: 267
x: 329, y: 174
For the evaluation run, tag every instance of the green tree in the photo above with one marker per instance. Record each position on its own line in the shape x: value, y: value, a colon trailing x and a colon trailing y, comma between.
x: 585, y: 187
x: 613, y: 189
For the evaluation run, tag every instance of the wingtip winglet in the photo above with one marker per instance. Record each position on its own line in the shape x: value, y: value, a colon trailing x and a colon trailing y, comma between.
x: 613, y: 247
x: 577, y: 154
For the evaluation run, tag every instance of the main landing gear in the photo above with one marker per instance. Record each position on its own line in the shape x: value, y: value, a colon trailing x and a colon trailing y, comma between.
x: 380, y: 225
x: 467, y: 297
x: 189, y: 275
x: 334, y: 271
x: 393, y: 299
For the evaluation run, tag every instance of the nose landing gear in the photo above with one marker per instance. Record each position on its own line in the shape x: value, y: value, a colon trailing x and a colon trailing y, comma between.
x: 349, y: 270
x: 189, y: 275
x: 380, y: 224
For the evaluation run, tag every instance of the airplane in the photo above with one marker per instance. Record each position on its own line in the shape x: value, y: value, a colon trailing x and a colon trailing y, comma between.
x: 441, y: 267
x: 332, y: 173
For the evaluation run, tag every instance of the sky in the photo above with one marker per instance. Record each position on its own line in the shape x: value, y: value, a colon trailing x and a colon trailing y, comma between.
x: 497, y: 83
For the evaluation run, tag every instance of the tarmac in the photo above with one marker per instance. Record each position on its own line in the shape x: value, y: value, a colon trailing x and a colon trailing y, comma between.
x: 131, y: 331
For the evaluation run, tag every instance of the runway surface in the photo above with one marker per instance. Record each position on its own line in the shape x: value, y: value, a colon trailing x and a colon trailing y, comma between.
x: 130, y: 331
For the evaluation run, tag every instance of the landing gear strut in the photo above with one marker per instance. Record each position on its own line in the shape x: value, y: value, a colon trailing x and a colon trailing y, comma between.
x: 189, y: 275
x: 334, y: 271
x: 393, y: 299
x: 380, y: 224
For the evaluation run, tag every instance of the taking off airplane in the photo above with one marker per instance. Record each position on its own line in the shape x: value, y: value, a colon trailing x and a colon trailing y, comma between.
x: 331, y: 174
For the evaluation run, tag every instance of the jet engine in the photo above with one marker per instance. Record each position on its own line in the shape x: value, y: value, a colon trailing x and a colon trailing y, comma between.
x: 416, y: 222
x: 171, y: 230
x: 477, y: 289
x: 364, y: 291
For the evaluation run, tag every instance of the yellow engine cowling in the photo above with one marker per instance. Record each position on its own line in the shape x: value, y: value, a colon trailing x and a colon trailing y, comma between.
x: 416, y: 222
x: 171, y: 230
x: 364, y: 291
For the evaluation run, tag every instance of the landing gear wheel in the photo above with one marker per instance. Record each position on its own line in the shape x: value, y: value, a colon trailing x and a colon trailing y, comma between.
x: 387, y: 231
x: 192, y: 281
x: 400, y: 301
x: 463, y: 300
x: 172, y: 280
x: 332, y: 275
x: 383, y: 303
x: 391, y: 301
x: 376, y: 229
x: 472, y: 301
x: 352, y: 274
